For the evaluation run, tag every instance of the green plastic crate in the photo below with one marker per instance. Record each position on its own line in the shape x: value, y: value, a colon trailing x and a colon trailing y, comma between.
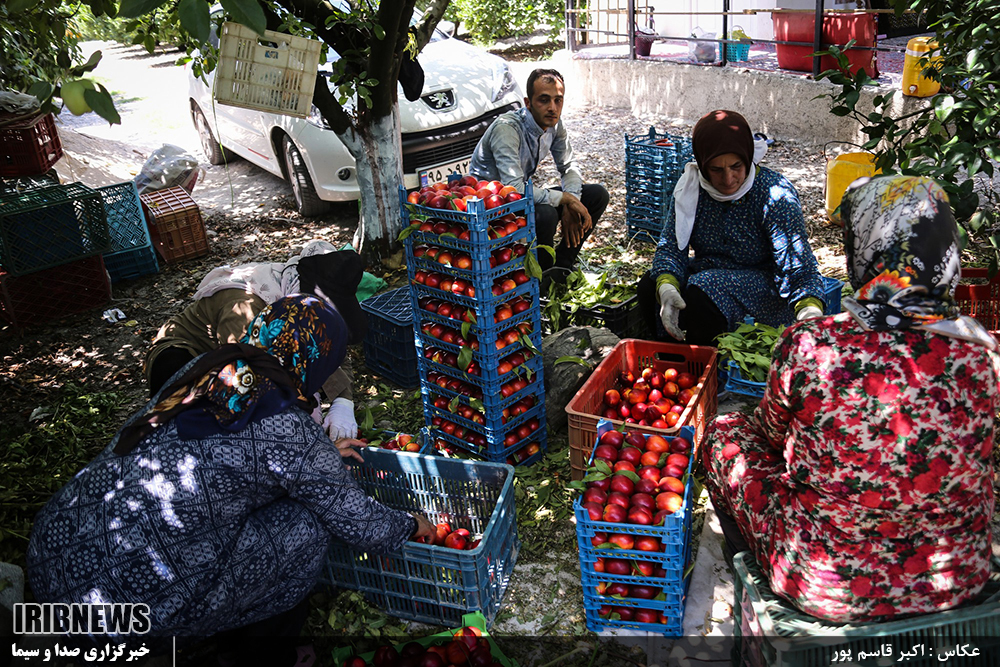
x: 475, y: 619
x: 771, y: 632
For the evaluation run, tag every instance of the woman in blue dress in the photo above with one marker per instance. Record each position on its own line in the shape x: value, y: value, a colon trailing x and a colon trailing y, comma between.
x: 744, y: 225
x: 215, y: 504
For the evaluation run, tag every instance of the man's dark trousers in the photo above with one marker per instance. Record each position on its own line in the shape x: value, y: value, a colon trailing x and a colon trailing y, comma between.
x: 595, y: 198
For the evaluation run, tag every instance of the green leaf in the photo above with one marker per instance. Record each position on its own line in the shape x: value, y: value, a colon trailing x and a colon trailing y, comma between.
x: 406, y: 232
x: 453, y: 403
x: 131, y: 9
x: 464, y: 358
x: 603, y: 466
x: 247, y: 12
x: 88, y: 66
x: 42, y: 90
x: 531, y: 266
x: 629, y: 474
x: 102, y: 104
x: 466, y: 327
x: 194, y: 18
x: 594, y: 476
x: 570, y: 359
x: 476, y: 404
x: 368, y: 421
x: 15, y: 7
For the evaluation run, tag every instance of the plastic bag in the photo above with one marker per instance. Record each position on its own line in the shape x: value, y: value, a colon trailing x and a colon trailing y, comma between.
x: 702, y: 52
x: 168, y: 166
x: 18, y: 103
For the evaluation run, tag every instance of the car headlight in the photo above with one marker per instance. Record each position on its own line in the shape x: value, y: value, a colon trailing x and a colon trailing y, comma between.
x: 503, y: 81
x: 316, y: 118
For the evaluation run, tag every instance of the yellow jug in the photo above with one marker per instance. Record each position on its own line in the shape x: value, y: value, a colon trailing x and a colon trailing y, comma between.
x: 915, y: 84
x: 841, y: 171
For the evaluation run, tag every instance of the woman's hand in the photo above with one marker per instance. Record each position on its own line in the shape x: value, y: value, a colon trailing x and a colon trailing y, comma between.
x: 346, y: 448
x: 424, y: 527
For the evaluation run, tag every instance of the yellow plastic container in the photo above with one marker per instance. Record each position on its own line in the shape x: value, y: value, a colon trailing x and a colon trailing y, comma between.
x: 915, y: 84
x: 841, y: 171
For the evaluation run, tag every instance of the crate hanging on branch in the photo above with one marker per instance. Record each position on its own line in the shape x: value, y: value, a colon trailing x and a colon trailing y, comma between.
x: 271, y: 72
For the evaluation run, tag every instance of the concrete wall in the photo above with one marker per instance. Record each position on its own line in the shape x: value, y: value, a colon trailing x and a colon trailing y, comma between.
x: 780, y: 105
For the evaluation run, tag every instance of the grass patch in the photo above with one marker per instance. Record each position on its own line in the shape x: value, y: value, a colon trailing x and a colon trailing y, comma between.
x: 43, y: 454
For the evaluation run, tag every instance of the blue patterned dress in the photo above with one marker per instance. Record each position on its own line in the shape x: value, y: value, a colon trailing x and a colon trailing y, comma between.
x: 213, y: 533
x: 751, y: 256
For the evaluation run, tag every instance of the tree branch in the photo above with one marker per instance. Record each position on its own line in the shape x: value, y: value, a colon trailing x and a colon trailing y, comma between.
x: 384, y: 59
x: 425, y: 28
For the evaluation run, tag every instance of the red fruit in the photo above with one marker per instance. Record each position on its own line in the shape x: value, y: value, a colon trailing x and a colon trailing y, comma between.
x: 432, y: 659
x: 678, y: 446
x: 671, y: 389
x: 598, y: 539
x: 686, y: 380
x: 613, y: 438
x: 618, y: 498
x: 646, y: 616
x: 602, y: 484
x: 618, y: 589
x: 595, y: 496
x: 686, y: 396
x: 659, y: 518
x: 679, y: 460
x: 617, y: 566
x: 671, y: 484
x: 647, y: 543
x: 606, y: 452
x: 622, y: 484
x: 385, y: 656
x: 650, y: 474
x: 624, y: 465
x: 614, y: 514
x: 622, y: 541
x: 626, y: 613
x: 624, y: 411
x: 644, y: 593
x: 458, y: 652
x: 631, y: 454
x: 669, y: 501
x: 652, y: 413
x: 657, y: 443
x: 645, y: 568
x: 640, y: 516
x: 673, y: 471
x: 645, y: 485
x: 594, y: 510
x: 670, y: 375
x: 456, y: 540
x: 481, y: 657
x: 636, y: 439
x: 643, y: 500
x: 626, y: 378
x: 493, y: 201
x: 650, y: 459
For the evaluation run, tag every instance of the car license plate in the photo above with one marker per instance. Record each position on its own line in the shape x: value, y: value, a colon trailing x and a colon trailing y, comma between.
x: 439, y: 173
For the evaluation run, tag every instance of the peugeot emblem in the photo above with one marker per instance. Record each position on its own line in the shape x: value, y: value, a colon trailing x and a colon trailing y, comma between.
x: 440, y: 100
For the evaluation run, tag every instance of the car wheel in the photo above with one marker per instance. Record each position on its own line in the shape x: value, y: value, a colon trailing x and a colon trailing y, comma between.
x: 212, y: 149
x: 306, y: 199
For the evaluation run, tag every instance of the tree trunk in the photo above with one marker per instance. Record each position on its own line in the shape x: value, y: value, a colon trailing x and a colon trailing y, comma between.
x: 380, y: 174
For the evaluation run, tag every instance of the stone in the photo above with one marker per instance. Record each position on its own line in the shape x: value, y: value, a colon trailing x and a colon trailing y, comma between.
x: 562, y: 381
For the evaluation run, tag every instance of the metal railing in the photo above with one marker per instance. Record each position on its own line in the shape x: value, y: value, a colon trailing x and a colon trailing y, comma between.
x: 611, y: 22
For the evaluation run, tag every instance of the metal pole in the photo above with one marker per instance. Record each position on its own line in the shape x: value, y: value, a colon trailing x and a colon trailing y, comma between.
x: 631, y: 29
x: 725, y: 31
x: 818, y: 36
x: 571, y: 19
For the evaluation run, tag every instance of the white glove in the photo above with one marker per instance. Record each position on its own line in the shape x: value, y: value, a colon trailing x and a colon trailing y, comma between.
x: 808, y: 313
x: 339, y: 422
x: 317, y: 413
x: 671, y: 304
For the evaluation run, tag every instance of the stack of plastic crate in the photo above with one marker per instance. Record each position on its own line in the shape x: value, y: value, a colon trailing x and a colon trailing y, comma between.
x: 29, y: 145
x: 478, y: 328
x: 388, y: 343
x: 660, y: 575
x: 51, y: 241
x: 653, y: 163
x: 175, y: 225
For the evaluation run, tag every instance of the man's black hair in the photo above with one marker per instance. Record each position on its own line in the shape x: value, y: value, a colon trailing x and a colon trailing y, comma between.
x: 542, y: 74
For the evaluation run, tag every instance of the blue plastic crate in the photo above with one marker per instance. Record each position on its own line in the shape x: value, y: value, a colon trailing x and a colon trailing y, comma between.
x: 382, y: 436
x: 487, y: 357
x: 488, y: 384
x: 737, y: 52
x: 126, y: 222
x: 738, y: 385
x: 13, y: 186
x: 495, y: 431
x: 129, y: 264
x: 651, y: 173
x: 426, y: 583
x: 389, y: 346
x: 484, y: 329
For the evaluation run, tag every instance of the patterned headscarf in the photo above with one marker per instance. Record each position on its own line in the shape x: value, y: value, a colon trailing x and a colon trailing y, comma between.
x: 901, y: 241
x: 290, y: 350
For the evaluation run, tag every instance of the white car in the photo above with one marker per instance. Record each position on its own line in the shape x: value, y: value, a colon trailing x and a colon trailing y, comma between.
x: 465, y: 88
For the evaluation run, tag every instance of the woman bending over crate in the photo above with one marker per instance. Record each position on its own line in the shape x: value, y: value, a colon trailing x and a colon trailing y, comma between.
x: 745, y: 226
x: 863, y: 484
x: 229, y: 298
x: 216, y: 502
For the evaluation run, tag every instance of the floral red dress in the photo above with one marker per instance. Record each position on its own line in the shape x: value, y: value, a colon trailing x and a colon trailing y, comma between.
x: 863, y: 481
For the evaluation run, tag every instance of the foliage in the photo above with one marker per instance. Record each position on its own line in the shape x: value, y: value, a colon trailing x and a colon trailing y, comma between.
x: 39, y: 50
x: 750, y: 346
x: 544, y: 501
x: 43, y: 455
x: 951, y: 137
x: 490, y: 20
x: 583, y: 292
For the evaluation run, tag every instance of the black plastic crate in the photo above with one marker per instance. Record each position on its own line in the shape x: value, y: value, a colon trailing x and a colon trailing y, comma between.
x: 622, y: 319
x: 389, y: 344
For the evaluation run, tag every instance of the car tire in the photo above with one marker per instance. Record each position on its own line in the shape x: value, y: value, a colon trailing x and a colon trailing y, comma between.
x: 212, y: 149
x: 306, y: 199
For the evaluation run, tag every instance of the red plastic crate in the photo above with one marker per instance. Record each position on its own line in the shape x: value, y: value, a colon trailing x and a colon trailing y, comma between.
x: 28, y: 146
x: 981, y: 301
x: 49, y: 294
x: 634, y: 355
x: 175, y: 224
